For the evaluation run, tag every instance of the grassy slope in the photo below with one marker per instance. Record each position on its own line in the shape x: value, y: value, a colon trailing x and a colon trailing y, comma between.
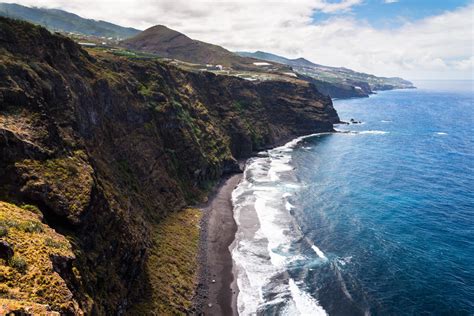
x: 59, y: 20
x: 28, y: 278
x: 172, y: 265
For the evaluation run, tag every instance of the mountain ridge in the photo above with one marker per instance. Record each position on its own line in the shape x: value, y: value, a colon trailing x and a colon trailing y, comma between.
x: 169, y: 43
x: 60, y: 20
x: 338, y: 82
x: 333, y: 74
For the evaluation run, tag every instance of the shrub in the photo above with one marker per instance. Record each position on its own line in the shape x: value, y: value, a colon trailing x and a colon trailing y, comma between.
x: 4, y: 289
x: 31, y: 227
x: 3, y: 231
x: 50, y: 242
x: 31, y: 208
x: 18, y: 263
x: 8, y: 223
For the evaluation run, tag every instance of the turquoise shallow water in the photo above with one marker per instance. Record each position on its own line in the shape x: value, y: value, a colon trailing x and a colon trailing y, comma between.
x: 378, y: 220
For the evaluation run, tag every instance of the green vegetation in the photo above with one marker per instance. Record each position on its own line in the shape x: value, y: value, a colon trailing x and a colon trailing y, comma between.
x: 24, y: 226
x: 132, y: 54
x: 30, y: 227
x: 172, y: 265
x: 58, y: 20
x: 145, y: 91
x: 185, y: 117
x: 240, y: 106
x: 31, y: 208
x: 69, y: 180
x: 3, y: 231
x: 18, y: 263
x: 52, y: 243
x: 253, y: 131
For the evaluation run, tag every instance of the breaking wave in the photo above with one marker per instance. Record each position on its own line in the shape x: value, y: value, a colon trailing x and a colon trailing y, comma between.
x: 266, y: 242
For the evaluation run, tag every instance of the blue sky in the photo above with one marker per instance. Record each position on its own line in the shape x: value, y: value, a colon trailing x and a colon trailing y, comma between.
x: 392, y: 14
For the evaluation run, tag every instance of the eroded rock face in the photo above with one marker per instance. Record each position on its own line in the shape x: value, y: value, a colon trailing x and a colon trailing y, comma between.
x: 63, y: 184
x: 105, y: 146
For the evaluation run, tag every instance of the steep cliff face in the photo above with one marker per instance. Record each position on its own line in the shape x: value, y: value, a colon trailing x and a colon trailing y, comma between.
x: 106, y: 146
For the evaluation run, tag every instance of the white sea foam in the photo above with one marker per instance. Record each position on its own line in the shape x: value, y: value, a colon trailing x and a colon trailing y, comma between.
x: 289, y: 206
x: 344, y: 261
x: 262, y: 251
x: 260, y: 256
x: 386, y: 121
x: 276, y: 235
x: 441, y: 133
x: 319, y: 252
x: 374, y: 132
x: 305, y: 304
x: 295, y: 141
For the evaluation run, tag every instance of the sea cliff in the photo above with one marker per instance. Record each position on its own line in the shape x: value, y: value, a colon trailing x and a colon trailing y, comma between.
x: 103, y: 148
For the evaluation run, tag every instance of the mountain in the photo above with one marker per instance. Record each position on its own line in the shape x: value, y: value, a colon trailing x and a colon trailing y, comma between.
x: 98, y: 152
x: 338, y: 75
x: 63, y: 21
x: 299, y: 62
x: 165, y: 42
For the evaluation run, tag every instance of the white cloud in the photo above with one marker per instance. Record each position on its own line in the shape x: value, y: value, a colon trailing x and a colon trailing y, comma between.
x: 333, y: 7
x: 465, y: 64
x: 390, y: 1
x: 436, y: 47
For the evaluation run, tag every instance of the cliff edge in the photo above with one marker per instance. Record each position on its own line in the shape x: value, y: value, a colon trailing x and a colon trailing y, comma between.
x: 102, y: 148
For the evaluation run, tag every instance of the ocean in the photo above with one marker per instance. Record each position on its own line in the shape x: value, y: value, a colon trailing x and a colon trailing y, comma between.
x: 376, y: 219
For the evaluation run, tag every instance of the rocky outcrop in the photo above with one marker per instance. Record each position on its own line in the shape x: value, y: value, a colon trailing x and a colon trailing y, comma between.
x: 106, y: 146
x: 6, y: 251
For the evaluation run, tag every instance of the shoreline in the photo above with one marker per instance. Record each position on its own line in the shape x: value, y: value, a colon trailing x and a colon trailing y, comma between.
x: 217, y: 290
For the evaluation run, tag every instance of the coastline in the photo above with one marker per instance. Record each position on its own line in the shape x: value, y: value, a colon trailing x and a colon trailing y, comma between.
x: 216, y: 270
x: 217, y: 290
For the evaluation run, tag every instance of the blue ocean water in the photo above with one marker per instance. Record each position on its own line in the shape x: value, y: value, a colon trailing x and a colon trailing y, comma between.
x: 377, y: 219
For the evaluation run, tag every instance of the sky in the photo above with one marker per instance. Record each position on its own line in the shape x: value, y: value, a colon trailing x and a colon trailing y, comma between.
x: 413, y: 39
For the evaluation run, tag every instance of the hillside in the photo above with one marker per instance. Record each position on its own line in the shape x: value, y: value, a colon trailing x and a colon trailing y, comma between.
x: 63, y: 21
x: 169, y: 43
x: 337, y: 75
x: 97, y: 151
x: 299, y: 62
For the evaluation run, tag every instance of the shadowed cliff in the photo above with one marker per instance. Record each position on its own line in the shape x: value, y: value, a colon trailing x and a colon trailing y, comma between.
x: 106, y: 147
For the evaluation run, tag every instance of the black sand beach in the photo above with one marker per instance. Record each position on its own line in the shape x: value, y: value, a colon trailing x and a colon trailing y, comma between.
x: 217, y: 291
